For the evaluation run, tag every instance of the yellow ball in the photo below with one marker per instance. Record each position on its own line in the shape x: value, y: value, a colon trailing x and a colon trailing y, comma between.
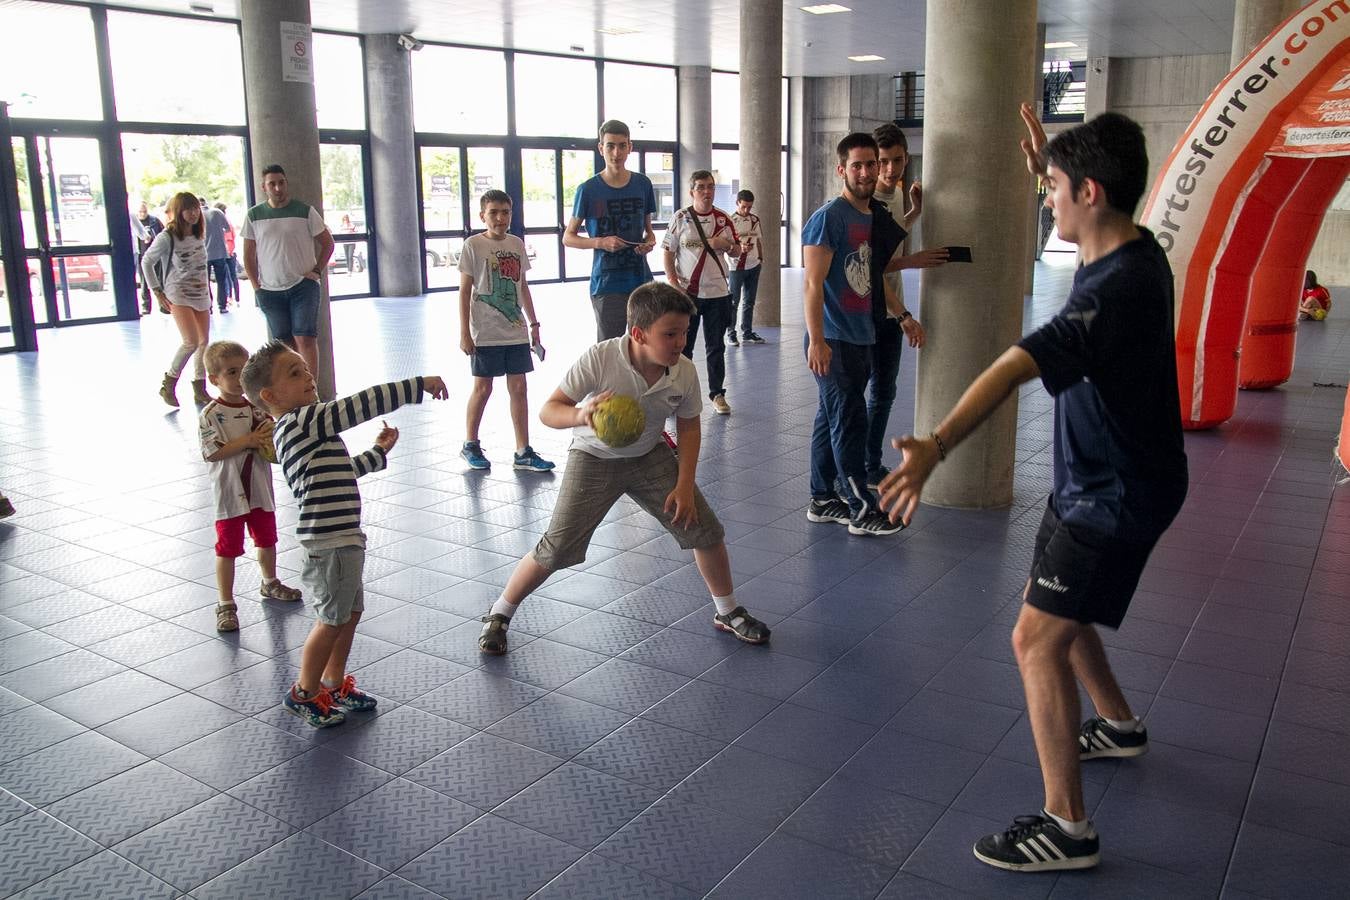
x: 1319, y: 314
x: 268, y: 450
x: 619, y: 421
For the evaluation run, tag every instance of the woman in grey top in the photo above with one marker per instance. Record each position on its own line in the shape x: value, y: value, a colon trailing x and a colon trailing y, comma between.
x: 175, y: 269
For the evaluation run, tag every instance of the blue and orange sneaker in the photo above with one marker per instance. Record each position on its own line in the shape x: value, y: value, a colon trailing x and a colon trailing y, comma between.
x: 349, y: 697
x: 318, y: 709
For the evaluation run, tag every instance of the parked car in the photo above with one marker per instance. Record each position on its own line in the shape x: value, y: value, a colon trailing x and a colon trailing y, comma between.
x: 84, y: 273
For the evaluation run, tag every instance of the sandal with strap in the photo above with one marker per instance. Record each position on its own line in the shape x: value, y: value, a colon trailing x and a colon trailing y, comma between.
x: 743, y: 625
x: 227, y: 617
x: 492, y: 640
x: 275, y: 590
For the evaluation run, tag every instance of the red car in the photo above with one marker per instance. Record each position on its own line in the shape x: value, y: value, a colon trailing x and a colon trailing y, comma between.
x: 84, y: 273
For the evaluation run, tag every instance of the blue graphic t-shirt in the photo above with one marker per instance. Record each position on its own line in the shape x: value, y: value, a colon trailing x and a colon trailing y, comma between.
x: 848, y: 286
x: 617, y: 211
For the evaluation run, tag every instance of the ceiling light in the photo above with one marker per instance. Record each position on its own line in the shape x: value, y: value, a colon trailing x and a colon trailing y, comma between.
x: 617, y: 30
x: 867, y: 57
x: 824, y: 9
x: 1060, y: 45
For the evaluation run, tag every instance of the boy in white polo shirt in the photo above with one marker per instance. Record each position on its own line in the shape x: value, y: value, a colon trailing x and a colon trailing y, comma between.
x: 646, y: 364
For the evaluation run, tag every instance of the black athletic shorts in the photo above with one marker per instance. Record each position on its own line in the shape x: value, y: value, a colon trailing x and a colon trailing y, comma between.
x: 1082, y: 574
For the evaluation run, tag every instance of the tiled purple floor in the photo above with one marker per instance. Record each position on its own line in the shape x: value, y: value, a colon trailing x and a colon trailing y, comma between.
x: 624, y: 748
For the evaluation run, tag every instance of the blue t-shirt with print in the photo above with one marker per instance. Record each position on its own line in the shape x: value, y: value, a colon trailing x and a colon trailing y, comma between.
x: 617, y: 211
x: 848, y: 286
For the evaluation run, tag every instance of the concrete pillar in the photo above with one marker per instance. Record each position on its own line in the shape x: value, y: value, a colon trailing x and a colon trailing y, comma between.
x: 1253, y: 20
x: 976, y: 188
x: 283, y: 128
x: 695, y: 93
x: 833, y: 107
x: 761, y: 140
x: 799, y: 140
x: 1034, y: 200
x: 393, y: 166
x: 1098, y: 84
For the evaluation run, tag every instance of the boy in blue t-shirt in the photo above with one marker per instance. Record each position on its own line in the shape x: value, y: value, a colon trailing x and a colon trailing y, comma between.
x: 838, y: 292
x: 1108, y: 358
x: 616, y: 207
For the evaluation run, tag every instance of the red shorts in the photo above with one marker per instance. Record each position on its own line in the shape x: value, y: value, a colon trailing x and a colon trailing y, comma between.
x: 262, y: 527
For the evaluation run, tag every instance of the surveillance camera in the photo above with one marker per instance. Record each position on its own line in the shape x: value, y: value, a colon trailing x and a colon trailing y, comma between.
x: 409, y: 43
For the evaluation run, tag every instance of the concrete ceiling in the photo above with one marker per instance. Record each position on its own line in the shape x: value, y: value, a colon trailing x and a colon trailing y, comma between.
x: 706, y: 32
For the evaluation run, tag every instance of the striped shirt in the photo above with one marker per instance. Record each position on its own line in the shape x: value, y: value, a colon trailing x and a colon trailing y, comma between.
x: 320, y: 471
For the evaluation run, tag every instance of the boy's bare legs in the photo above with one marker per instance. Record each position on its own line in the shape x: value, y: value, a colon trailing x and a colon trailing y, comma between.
x: 1042, y: 643
x: 1090, y: 666
x: 267, y: 562
x: 714, y: 564
x: 319, y: 649
x: 478, y: 399
x: 308, y: 348
x: 520, y: 413
x: 525, y: 580
x: 225, y: 579
x: 336, y: 668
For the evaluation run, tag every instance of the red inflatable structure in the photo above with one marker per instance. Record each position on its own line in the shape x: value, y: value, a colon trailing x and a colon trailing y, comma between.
x: 1239, y: 202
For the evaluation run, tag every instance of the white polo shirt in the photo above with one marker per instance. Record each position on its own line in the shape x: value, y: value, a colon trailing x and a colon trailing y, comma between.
x: 285, y: 239
x: 606, y: 367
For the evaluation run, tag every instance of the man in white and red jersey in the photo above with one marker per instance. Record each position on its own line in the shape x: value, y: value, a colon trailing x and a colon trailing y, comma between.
x: 694, y: 244
x: 745, y: 273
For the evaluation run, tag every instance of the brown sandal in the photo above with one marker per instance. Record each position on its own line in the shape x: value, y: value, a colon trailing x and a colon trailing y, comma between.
x: 227, y: 618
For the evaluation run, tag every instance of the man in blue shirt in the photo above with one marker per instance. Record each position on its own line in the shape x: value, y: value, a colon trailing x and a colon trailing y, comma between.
x: 616, y: 207
x: 840, y: 332
x: 1108, y: 359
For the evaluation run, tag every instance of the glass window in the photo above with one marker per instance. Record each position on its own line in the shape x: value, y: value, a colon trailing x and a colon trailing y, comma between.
x: 542, y: 249
x: 347, y: 273
x: 541, y: 82
x: 442, y: 194
x: 643, y: 97
x: 214, y: 92
x: 660, y: 168
x: 83, y: 287
x: 48, y: 68
x: 157, y: 166
x: 539, y: 174
x: 72, y: 185
x: 726, y: 108
x: 577, y: 166
x: 442, y: 255
x: 339, y: 82
x: 578, y: 262
x: 344, y: 189
x: 727, y: 170
x: 487, y: 170
x: 442, y: 102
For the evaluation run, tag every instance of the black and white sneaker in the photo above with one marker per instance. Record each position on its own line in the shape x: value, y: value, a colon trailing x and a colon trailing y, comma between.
x: 751, y: 337
x: 873, y: 521
x: 1097, y: 739
x: 831, y: 510
x: 731, y: 339
x: 1037, y: 844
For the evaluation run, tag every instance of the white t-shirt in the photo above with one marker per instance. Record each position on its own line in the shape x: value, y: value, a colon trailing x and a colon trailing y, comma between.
x: 285, y: 239
x: 498, y: 270
x: 182, y: 263
x: 704, y: 276
x: 895, y: 202
x: 747, y: 229
x: 606, y: 367
x: 220, y: 423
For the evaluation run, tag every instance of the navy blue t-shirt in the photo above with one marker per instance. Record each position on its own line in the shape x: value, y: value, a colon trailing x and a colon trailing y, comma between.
x: 848, y: 285
x: 617, y: 211
x: 1109, y: 360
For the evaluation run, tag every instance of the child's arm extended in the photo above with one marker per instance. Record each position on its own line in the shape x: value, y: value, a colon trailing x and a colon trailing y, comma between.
x: 323, y: 420
x: 689, y: 436
x: 377, y: 457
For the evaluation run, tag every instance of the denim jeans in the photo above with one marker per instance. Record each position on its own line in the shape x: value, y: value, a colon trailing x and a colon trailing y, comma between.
x: 292, y: 311
x: 747, y: 281
x: 714, y: 313
x: 840, y: 429
x: 885, y: 371
x: 223, y: 270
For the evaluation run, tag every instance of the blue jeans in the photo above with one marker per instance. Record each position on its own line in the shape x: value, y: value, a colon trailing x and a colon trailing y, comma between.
x: 885, y: 371
x: 223, y: 269
x: 746, y: 280
x: 713, y: 312
x: 292, y: 311
x: 840, y: 429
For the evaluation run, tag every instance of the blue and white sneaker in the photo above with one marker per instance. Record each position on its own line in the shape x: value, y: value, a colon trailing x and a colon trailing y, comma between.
x: 318, y: 710
x: 473, y: 455
x: 530, y: 461
x: 349, y: 697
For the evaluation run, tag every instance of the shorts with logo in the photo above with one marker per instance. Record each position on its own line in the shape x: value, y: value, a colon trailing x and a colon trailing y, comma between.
x: 333, y: 577
x: 591, y: 486
x: 1083, y: 574
x: 262, y: 527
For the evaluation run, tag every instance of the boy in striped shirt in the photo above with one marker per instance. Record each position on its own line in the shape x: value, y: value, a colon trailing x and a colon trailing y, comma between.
x: 322, y: 475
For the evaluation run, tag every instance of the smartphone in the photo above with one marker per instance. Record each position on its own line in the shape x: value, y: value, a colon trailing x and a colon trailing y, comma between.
x: 958, y: 254
x: 538, y: 350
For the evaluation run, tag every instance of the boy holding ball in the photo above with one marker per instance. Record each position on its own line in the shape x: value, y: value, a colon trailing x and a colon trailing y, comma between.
x: 647, y: 364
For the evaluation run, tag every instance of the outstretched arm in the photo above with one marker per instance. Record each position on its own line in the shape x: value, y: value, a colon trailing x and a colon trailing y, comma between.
x: 1033, y: 145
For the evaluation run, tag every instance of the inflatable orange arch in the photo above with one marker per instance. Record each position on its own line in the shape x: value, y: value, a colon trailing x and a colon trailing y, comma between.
x: 1239, y: 202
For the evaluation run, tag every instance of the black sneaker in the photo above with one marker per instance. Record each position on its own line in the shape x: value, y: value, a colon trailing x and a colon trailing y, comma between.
x: 874, y: 476
x: 831, y: 510
x: 751, y: 338
x: 874, y: 521
x: 745, y: 626
x: 1037, y: 844
x: 492, y: 640
x: 732, y: 339
x: 1098, y: 739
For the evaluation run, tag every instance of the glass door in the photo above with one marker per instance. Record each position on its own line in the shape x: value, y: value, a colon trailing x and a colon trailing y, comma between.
x: 344, y: 200
x: 65, y: 228
x: 452, y: 181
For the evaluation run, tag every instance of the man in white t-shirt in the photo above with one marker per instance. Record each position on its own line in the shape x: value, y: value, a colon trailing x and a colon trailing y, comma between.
x: 694, y: 244
x: 744, y: 275
x: 286, y: 247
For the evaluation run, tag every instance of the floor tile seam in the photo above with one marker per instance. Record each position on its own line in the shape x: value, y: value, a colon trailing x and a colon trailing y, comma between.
x: 543, y: 887
x: 215, y: 792
x: 296, y: 829
x: 385, y: 873
x: 103, y: 849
